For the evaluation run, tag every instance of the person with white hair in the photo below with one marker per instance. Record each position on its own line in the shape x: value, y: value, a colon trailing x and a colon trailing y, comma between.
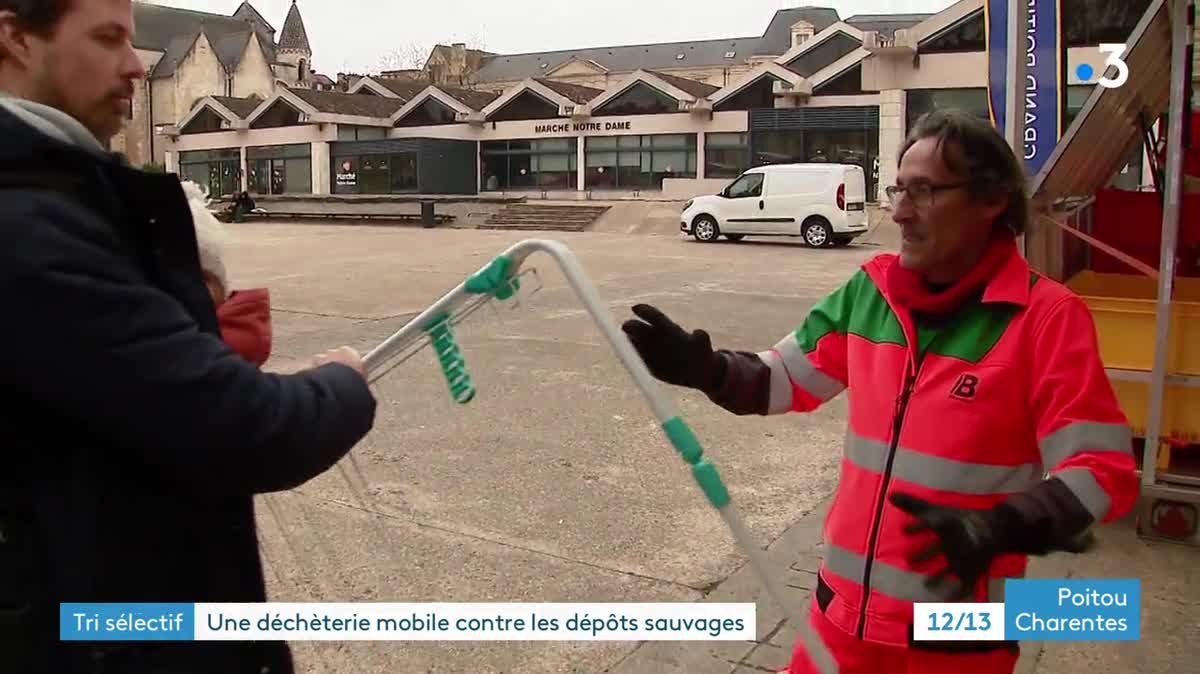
x: 244, y: 315
x: 211, y: 241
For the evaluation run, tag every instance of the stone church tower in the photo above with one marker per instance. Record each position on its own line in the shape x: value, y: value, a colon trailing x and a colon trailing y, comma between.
x: 294, y: 51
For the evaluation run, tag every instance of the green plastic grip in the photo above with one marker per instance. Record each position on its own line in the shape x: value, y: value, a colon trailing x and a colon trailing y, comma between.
x: 494, y: 279
x: 705, y: 474
x: 449, y: 356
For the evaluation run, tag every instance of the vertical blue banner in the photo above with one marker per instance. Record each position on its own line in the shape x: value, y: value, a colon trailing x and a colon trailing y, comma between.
x: 1043, y: 86
x: 995, y: 30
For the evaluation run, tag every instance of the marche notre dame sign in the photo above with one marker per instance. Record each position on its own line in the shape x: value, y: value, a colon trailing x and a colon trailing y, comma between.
x: 581, y: 127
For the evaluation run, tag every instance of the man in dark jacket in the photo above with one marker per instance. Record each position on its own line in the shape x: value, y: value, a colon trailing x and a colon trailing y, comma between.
x: 135, y: 439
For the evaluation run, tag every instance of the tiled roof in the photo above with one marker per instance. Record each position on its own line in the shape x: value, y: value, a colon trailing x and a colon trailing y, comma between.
x: 575, y: 92
x: 697, y: 89
x: 229, y: 48
x: 404, y: 88
x: 513, y: 67
x: 476, y: 100
x: 247, y: 9
x: 242, y: 107
x: 359, y: 105
x: 775, y: 41
x: 174, y: 31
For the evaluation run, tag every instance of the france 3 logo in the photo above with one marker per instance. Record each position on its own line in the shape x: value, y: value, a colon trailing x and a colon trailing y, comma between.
x: 1116, y: 59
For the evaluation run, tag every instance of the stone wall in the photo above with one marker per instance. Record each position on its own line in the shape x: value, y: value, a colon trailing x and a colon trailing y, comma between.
x: 134, y: 141
x: 893, y: 104
x: 200, y: 74
x: 254, y: 76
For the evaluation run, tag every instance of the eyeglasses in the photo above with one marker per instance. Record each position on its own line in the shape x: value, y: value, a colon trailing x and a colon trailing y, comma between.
x: 920, y: 193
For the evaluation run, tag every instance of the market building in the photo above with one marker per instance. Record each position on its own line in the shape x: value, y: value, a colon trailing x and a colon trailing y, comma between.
x: 647, y: 121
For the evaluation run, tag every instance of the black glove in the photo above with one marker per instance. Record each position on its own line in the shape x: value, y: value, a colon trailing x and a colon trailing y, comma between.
x: 969, y: 540
x: 672, y: 355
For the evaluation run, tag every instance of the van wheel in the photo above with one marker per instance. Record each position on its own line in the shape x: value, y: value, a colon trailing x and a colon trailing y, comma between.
x: 817, y: 232
x: 735, y: 237
x: 705, y: 229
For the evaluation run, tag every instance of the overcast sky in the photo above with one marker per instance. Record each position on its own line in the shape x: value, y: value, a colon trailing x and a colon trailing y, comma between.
x: 353, y: 35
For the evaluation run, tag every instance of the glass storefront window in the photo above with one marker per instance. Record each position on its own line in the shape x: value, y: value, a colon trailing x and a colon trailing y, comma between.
x: 968, y: 35
x: 429, y: 113
x: 1088, y: 23
x: 280, y: 169
x: 548, y: 164
x: 280, y: 176
x: 375, y: 175
x: 404, y: 172
x: 351, y: 133
x: 218, y: 171
x: 922, y: 101
x: 839, y: 146
x: 603, y: 143
x: 639, y: 162
x: 394, y: 173
x: 822, y: 55
x: 848, y: 83
x: 640, y: 99
x: 726, y: 155
x: 299, y: 176
x: 1077, y: 96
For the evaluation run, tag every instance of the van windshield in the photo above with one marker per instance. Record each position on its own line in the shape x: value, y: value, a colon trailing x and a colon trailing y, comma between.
x: 749, y: 185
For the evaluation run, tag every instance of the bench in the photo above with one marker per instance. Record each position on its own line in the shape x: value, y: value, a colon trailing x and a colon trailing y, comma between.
x: 260, y: 213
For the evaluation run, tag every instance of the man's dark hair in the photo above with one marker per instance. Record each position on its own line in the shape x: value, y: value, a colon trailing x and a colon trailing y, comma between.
x: 37, y: 16
x: 972, y: 147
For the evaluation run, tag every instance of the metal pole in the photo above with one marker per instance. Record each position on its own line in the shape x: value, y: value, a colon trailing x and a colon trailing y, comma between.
x: 1181, y: 38
x: 1015, y: 83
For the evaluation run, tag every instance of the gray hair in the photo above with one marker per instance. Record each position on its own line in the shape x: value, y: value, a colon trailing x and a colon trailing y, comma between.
x: 972, y: 147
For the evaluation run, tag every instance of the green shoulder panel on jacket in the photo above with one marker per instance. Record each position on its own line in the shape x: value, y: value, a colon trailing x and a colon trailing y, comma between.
x: 857, y: 307
x: 974, y: 332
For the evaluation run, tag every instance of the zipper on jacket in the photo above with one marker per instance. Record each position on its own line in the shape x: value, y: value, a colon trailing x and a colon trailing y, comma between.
x: 910, y: 380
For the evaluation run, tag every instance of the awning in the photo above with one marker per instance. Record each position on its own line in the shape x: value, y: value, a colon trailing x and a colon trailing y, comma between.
x: 1109, y: 126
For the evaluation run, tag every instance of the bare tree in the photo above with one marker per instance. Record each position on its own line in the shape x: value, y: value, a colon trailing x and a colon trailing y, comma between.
x: 476, y: 39
x: 411, y: 56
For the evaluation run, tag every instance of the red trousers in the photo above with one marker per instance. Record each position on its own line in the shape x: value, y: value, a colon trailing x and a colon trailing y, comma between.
x: 826, y: 649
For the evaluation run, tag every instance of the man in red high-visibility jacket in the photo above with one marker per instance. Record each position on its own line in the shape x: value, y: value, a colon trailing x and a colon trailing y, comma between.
x: 982, y: 427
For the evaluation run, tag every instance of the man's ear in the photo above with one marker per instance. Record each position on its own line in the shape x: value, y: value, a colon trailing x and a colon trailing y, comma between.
x: 995, y: 204
x: 14, y: 39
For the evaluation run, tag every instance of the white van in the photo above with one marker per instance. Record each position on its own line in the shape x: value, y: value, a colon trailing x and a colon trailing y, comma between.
x: 824, y: 203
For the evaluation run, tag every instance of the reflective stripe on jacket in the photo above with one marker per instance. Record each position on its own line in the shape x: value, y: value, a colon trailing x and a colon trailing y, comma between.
x: 1004, y: 393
